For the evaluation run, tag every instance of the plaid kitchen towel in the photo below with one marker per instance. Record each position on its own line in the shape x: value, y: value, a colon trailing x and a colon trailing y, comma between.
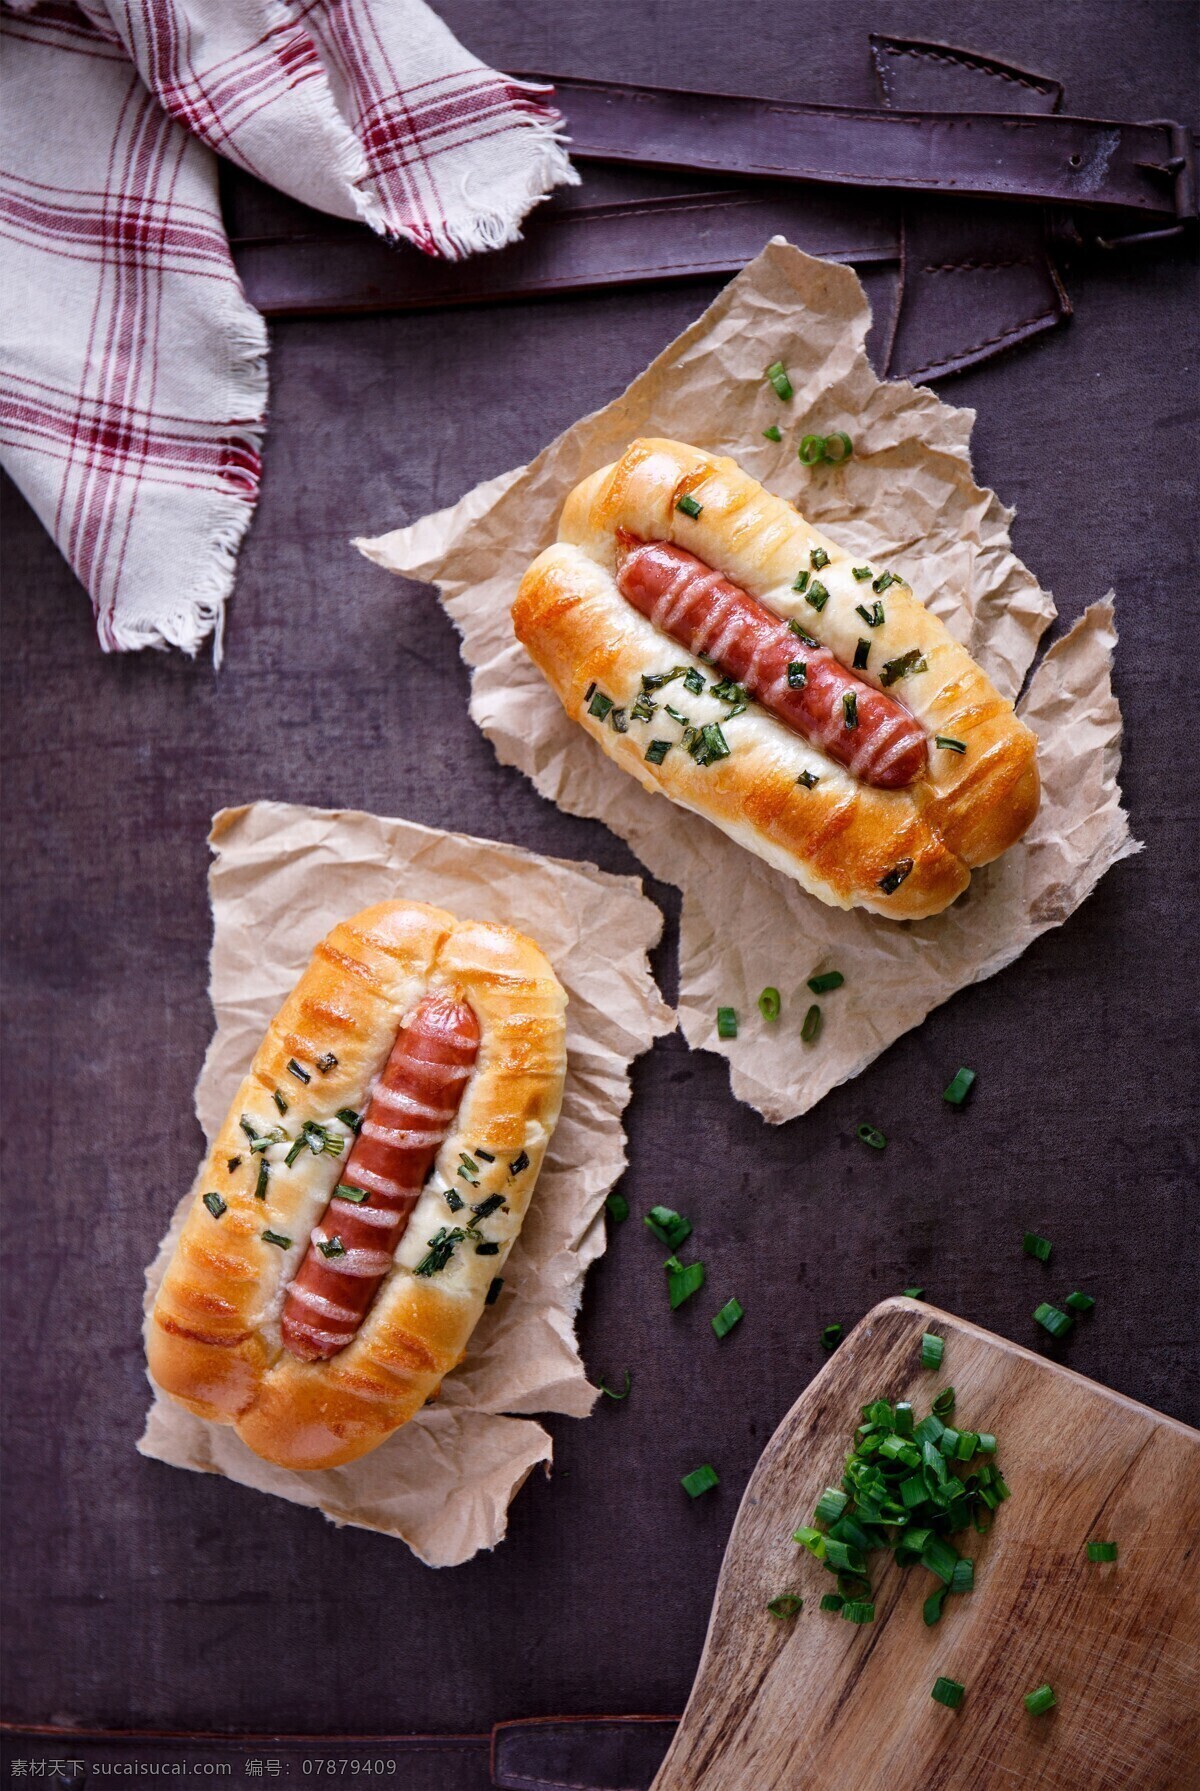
x: 133, y: 384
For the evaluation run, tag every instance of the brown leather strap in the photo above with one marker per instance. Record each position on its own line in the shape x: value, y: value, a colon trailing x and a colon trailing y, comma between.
x: 580, y: 1753
x: 1080, y: 162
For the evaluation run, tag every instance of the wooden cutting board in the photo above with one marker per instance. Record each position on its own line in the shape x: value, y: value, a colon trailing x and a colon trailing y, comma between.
x: 820, y: 1704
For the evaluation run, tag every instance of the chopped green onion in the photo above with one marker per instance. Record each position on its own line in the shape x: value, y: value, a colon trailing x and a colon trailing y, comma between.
x: 619, y: 721
x: 959, y: 1087
x: 944, y: 1402
x: 940, y: 1558
x: 349, y: 1118
x: 795, y: 628
x: 275, y: 1237
x: 885, y: 580
x: 832, y: 1601
x: 454, y: 1201
x: 294, y: 1068
x: 332, y: 1247
x: 772, y: 433
x: 799, y: 583
x: 670, y: 1227
x: 326, y: 1062
x: 234, y: 1163
x: 486, y: 1155
x: 830, y: 1506
x: 777, y: 374
x: 949, y: 745
x: 847, y: 447
x: 727, y: 1025
x: 343, y: 1191
x: 1079, y: 1302
x: 948, y: 1692
x: 931, y: 1610
x: 260, y: 1183
x: 618, y: 1207
x: 624, y: 1394
x: 441, y: 1249
x: 297, y: 1147
x: 905, y: 665
x: 818, y: 559
x: 277, y: 1097
x: 729, y: 1315
x: 914, y: 1293
x: 683, y: 1281
x: 933, y: 1348
x: 797, y: 674
x: 519, y: 1162
x: 873, y: 617
x: 1033, y: 1245
x: 769, y: 1003
x: 986, y: 1443
x: 1101, y: 1551
x: 693, y: 680
x: 688, y: 505
x: 488, y: 1248
x: 871, y: 1135
x: 788, y: 1604
x: 809, y: 779
x: 700, y: 1480
x: 831, y: 1336
x: 1039, y: 1701
x: 856, y: 1611
x: 1052, y: 1320
x: 215, y: 1205
x: 850, y: 709
x: 493, y: 1292
x: 811, y: 450
x: 817, y: 595
x: 657, y: 751
x: 891, y: 881
x: 903, y: 1418
x: 861, y: 572
x: 861, y: 654
x: 811, y: 1539
x: 482, y: 1209
x: 826, y: 981
x: 812, y: 1024
x: 600, y: 705
x: 963, y: 1577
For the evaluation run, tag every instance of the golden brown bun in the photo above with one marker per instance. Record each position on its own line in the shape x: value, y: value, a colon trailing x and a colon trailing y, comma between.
x: 841, y: 837
x: 213, y: 1340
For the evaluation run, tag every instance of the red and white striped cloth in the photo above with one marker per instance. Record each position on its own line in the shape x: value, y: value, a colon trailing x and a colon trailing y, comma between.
x: 133, y: 382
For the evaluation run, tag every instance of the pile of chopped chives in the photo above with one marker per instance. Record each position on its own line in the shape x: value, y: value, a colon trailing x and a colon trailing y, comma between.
x: 908, y: 1486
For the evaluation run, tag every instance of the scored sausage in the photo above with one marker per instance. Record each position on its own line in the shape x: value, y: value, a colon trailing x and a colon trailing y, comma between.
x: 873, y: 736
x: 411, y: 1110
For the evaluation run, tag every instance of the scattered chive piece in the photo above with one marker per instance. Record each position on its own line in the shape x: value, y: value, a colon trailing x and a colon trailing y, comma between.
x: 847, y: 447
x: 344, y: 1191
x: 809, y: 779
x: 493, y: 1292
x: 818, y: 559
x: 831, y: 1336
x: 832, y: 1601
x: 914, y: 1293
x: 618, y: 1207
x: 797, y: 674
x: 957, y: 1090
x: 260, y: 1184
x: 949, y: 745
x: 856, y: 1611
x: 234, y: 1163
x: 1101, y: 1551
x: 902, y: 1418
x: 215, y: 1205
x: 454, y: 1201
x: 850, y: 709
x: 861, y: 572
x: 693, y: 680
x: 861, y: 654
x: 902, y: 667
x: 683, y: 1280
x: 1079, y: 1302
x: 944, y: 1403
x: 729, y: 1315
x: 624, y: 1394
x: 326, y: 1062
x: 1052, y: 1320
x: 811, y: 450
x: 931, y: 1610
x: 279, y: 1101
x: 1039, y: 1701
x: 871, y: 1135
x: 669, y: 1227
x: 891, y: 881
x: 688, y: 505
x: 800, y: 583
x: 700, y: 1480
x: 295, y: 1151
x: 488, y: 1248
x: 933, y: 1348
x: 812, y: 1024
x: 727, y: 1025
x: 275, y: 1237
x: 1033, y: 1245
x: 826, y: 981
x: 873, y: 617
x: 794, y: 626
x: 885, y: 580
x: 948, y: 1692
x: 600, y: 705
x: 519, y: 1162
x: 963, y: 1577
x: 788, y: 1604
x: 657, y: 751
x: 769, y: 1003
x: 349, y: 1117
x: 811, y: 1539
x: 294, y: 1068
x: 332, y: 1247
x: 817, y: 595
x: 830, y: 1506
x: 777, y: 374
x: 772, y: 434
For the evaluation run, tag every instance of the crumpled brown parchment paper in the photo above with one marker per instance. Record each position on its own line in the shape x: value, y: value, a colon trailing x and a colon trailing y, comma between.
x: 907, y: 499
x: 282, y: 877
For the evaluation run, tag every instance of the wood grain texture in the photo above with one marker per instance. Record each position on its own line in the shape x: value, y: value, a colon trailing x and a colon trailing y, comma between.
x: 827, y: 1705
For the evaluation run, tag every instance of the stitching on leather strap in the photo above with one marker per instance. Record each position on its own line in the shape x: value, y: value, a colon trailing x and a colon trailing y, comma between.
x: 1007, y: 335
x: 978, y: 63
x: 979, y: 267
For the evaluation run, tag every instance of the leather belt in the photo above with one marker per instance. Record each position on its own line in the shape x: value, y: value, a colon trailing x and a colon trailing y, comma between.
x: 1037, y: 157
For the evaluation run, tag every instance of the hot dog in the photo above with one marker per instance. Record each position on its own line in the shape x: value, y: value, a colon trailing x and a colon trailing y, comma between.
x: 419, y: 1064
x: 875, y: 763
x: 787, y: 673
x: 414, y: 1101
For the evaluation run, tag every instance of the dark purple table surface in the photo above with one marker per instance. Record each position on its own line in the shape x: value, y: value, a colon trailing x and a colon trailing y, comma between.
x: 140, y: 1595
